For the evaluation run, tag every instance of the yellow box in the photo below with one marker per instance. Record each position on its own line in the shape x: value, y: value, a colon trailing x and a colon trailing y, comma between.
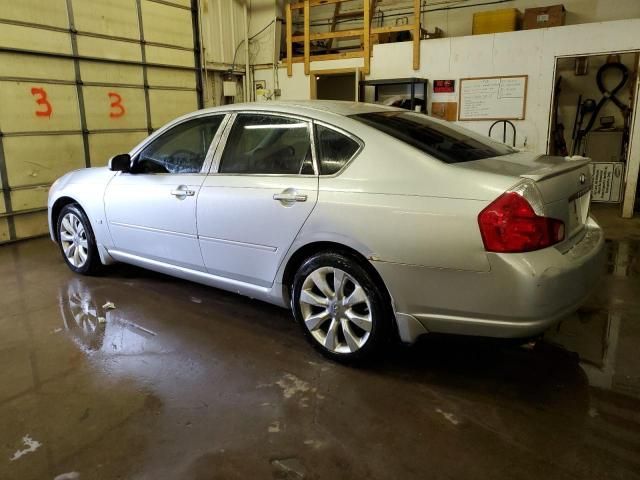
x: 495, y: 21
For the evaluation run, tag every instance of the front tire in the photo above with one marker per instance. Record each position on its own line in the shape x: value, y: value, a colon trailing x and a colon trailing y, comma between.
x: 77, y: 241
x: 339, y: 306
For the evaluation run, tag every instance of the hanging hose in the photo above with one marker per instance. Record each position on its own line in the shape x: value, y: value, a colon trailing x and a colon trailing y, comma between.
x: 607, y: 95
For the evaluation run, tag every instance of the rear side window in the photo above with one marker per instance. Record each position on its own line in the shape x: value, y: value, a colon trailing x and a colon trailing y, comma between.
x: 444, y: 141
x: 268, y: 144
x: 335, y: 149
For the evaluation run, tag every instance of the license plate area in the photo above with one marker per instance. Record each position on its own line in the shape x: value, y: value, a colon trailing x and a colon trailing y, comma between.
x: 579, y: 212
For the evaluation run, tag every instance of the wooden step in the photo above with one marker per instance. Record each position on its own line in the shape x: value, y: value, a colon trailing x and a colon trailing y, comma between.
x: 350, y: 14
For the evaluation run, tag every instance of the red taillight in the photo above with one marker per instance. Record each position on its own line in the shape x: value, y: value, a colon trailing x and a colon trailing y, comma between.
x: 510, y: 225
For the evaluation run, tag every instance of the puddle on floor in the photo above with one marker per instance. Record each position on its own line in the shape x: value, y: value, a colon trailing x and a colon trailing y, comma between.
x: 96, y: 326
x: 622, y: 259
x: 604, y: 332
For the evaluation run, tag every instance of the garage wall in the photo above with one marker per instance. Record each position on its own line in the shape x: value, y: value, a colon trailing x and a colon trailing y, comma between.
x: 455, y: 18
x: 79, y: 82
x: 224, y: 32
x: 528, y: 52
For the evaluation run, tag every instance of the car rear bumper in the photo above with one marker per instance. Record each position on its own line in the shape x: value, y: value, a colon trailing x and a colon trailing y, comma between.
x: 521, y: 296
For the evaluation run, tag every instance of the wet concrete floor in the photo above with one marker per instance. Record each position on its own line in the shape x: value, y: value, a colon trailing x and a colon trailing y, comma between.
x: 181, y: 381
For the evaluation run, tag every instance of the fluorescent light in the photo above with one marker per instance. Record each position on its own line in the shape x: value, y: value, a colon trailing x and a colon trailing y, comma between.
x: 276, y: 125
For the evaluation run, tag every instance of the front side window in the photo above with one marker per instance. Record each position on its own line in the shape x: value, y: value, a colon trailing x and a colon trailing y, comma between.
x: 445, y: 141
x: 182, y: 149
x: 335, y: 149
x: 268, y: 144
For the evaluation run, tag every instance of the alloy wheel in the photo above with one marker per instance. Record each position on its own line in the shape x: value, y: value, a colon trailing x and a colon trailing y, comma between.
x: 336, y: 310
x: 73, y: 238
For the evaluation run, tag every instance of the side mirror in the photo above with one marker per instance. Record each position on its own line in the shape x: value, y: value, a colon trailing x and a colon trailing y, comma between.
x: 120, y: 163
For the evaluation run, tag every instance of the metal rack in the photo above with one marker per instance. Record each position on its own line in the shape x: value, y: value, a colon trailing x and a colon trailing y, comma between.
x: 411, y: 81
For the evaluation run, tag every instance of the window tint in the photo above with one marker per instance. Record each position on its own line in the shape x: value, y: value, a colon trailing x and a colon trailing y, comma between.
x: 182, y: 149
x: 335, y: 149
x: 442, y: 140
x: 268, y: 144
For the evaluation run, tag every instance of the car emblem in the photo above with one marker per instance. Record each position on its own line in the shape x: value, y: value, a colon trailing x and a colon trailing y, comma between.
x: 583, y: 179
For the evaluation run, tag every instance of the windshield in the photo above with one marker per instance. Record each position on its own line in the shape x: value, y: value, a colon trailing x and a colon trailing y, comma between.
x: 445, y: 141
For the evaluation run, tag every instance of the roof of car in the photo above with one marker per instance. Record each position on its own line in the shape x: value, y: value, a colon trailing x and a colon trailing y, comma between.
x: 309, y: 107
x: 332, y: 112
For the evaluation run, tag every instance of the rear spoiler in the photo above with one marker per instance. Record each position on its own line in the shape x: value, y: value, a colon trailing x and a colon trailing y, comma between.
x: 554, y: 166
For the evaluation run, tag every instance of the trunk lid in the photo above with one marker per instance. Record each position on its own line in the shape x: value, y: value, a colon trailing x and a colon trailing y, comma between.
x: 564, y: 184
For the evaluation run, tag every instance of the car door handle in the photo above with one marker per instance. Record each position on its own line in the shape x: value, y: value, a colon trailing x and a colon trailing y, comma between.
x: 183, y: 192
x: 290, y: 197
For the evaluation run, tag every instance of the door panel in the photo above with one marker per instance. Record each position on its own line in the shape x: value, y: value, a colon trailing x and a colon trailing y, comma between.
x: 147, y: 219
x: 244, y: 232
x: 152, y: 212
x: 266, y: 185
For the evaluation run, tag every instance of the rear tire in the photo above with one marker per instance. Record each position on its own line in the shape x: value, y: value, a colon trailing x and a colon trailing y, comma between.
x: 341, y: 309
x: 76, y: 241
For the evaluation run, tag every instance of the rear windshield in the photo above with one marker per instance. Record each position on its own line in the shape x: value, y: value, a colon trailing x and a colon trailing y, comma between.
x: 445, y: 141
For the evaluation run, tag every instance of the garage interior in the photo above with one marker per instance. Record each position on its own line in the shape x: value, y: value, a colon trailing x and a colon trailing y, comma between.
x: 133, y: 374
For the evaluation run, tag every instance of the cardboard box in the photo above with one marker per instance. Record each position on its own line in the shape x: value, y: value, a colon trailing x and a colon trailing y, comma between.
x: 377, y: 38
x: 495, y: 21
x: 543, y: 17
x: 445, y: 110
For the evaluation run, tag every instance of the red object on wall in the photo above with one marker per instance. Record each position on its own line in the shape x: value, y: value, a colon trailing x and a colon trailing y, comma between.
x: 41, y: 99
x: 444, y: 86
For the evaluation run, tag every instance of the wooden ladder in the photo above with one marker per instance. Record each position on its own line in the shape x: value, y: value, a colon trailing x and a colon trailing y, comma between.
x: 337, y: 14
x: 364, y: 33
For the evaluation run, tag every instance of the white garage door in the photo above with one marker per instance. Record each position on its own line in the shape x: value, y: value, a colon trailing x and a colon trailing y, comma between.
x: 82, y: 80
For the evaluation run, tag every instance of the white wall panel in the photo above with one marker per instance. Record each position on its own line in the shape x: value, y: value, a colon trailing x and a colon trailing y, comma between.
x: 113, y: 108
x: 167, y: 24
x: 103, y: 146
x: 169, y: 104
x: 166, y: 77
x: 223, y: 29
x: 51, y: 12
x: 30, y: 38
x: 118, y: 18
x: 111, y: 73
x: 38, y: 160
x: 58, y: 108
x: 45, y: 68
x: 106, y: 48
x: 170, y: 56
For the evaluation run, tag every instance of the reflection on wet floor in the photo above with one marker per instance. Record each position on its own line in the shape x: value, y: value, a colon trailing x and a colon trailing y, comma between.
x: 177, y: 380
x: 605, y: 334
x: 99, y: 328
x: 623, y: 258
x: 604, y: 331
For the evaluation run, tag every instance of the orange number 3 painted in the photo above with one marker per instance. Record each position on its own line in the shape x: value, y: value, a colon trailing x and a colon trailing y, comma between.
x: 41, y: 99
x: 117, y: 108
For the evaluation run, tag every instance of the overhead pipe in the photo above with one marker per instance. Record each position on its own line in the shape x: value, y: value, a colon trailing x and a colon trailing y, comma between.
x: 247, y: 93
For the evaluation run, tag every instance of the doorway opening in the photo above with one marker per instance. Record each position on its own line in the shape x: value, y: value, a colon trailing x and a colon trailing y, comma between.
x: 334, y: 84
x: 592, y: 115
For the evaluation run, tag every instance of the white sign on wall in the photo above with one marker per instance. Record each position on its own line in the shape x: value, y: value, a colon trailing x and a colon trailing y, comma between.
x: 494, y: 98
x: 606, y: 181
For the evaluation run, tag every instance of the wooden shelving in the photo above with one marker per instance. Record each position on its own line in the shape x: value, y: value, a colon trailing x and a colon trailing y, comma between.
x: 364, y: 33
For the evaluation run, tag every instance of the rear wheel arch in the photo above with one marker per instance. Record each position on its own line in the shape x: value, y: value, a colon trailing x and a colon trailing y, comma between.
x: 306, y: 251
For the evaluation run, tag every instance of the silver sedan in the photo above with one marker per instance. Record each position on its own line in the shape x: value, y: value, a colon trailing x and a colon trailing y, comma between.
x: 369, y: 222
